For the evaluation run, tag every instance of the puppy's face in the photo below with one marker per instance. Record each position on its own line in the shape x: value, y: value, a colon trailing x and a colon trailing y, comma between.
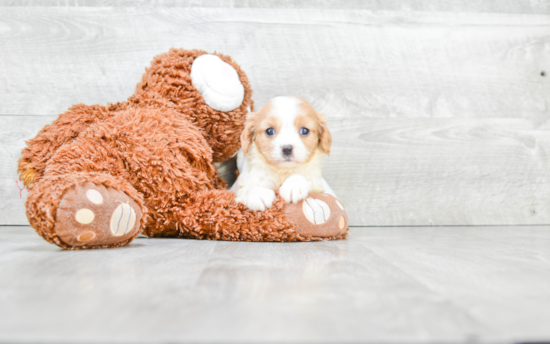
x: 287, y: 131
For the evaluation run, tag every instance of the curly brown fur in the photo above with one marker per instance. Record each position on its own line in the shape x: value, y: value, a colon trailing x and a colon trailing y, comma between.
x: 166, y: 84
x: 64, y: 129
x: 159, y: 148
x: 214, y: 215
x: 169, y: 77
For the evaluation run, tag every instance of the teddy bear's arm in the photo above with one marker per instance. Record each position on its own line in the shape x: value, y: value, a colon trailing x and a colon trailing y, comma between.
x: 64, y: 129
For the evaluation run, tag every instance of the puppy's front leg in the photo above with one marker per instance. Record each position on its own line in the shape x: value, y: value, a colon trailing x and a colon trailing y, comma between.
x: 295, y: 188
x: 256, y: 197
x: 252, y: 188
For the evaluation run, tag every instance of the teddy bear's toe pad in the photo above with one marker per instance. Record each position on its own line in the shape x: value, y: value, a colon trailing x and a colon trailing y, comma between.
x: 93, y: 215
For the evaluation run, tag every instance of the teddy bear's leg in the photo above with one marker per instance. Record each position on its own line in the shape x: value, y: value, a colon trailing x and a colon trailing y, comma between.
x: 45, y: 144
x: 215, y: 215
x: 80, y: 210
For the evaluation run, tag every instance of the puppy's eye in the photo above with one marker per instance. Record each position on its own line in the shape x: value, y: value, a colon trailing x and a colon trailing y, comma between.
x: 270, y: 131
x: 304, y: 131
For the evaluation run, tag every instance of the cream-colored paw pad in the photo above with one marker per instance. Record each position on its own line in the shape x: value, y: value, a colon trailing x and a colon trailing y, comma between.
x: 85, y: 216
x: 86, y: 236
x: 341, y: 222
x: 316, y: 211
x: 123, y: 219
x: 94, y: 196
x: 218, y: 82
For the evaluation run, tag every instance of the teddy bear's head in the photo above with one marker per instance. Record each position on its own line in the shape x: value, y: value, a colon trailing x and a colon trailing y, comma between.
x: 210, y: 89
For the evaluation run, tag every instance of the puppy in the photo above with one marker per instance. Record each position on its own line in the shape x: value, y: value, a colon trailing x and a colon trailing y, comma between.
x: 282, y: 148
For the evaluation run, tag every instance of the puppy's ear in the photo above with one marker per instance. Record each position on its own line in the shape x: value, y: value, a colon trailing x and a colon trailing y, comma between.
x: 325, y: 138
x: 248, y: 132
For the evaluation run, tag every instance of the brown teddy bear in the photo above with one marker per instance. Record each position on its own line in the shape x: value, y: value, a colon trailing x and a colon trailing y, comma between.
x: 100, y: 175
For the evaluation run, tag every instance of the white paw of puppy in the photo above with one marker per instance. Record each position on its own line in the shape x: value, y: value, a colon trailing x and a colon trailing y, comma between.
x: 294, y: 189
x: 256, y: 197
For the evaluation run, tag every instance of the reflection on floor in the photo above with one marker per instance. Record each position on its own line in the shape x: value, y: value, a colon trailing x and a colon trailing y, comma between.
x: 429, y: 284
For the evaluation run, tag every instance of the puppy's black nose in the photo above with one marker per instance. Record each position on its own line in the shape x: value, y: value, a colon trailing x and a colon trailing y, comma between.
x: 287, y: 150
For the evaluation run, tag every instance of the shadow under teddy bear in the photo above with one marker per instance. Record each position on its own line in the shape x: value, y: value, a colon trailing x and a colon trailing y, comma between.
x: 100, y: 175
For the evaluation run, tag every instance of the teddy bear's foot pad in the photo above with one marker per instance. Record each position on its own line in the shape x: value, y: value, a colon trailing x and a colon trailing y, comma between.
x: 319, y: 215
x: 92, y: 215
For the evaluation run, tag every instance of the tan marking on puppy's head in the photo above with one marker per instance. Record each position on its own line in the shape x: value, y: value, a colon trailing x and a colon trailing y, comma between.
x: 265, y: 143
x: 316, y: 123
x: 325, y: 137
x: 286, y: 131
x: 248, y: 132
x: 252, y: 126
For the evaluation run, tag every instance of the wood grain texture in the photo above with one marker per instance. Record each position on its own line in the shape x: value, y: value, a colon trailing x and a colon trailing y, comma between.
x: 499, y: 274
x: 14, y: 130
x: 442, y: 171
x: 391, y: 172
x: 347, y: 62
x: 491, y: 6
x: 439, y: 118
x: 390, y: 285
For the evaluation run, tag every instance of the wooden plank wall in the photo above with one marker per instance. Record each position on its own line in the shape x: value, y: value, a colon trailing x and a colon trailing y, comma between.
x: 439, y: 110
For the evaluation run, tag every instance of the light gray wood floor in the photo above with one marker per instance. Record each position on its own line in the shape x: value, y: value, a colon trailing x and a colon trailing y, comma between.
x: 393, y: 284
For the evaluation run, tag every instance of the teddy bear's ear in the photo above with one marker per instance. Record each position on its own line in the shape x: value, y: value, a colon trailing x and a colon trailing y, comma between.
x: 218, y: 82
x: 325, y: 138
x: 248, y: 132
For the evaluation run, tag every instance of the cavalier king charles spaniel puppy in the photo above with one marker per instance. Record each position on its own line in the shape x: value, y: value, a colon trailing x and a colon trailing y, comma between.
x: 282, y: 148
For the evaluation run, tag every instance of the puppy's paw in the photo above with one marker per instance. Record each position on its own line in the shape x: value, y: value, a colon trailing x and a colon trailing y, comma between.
x: 256, y: 197
x: 294, y: 189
